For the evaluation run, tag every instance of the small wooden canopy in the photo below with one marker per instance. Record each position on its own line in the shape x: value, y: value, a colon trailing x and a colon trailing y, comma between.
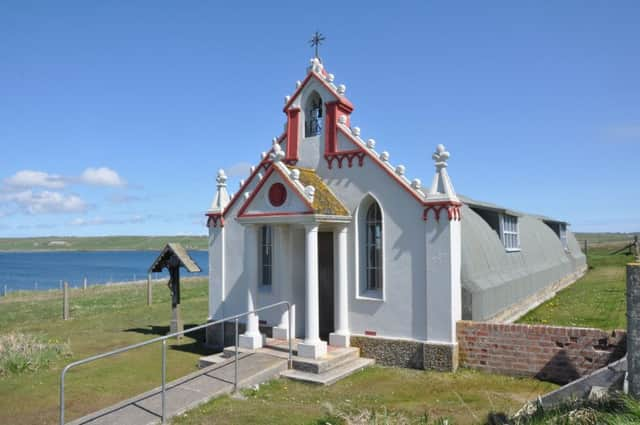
x: 177, y: 250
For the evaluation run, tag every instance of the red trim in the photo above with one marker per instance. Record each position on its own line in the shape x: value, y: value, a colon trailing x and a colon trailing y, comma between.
x: 385, y: 168
x: 452, y: 208
x: 262, y: 183
x: 343, y: 100
x: 275, y: 214
x: 293, y: 129
x: 348, y: 155
x: 215, y: 220
x: 330, y: 134
x: 370, y: 333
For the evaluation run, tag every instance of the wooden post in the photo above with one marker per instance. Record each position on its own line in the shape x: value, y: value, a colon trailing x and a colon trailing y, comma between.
x: 65, y: 302
x: 84, y: 283
x: 633, y: 328
x: 5, y: 290
x: 586, y: 247
x: 149, y: 290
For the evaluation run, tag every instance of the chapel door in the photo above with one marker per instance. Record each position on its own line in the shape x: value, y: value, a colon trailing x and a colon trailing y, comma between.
x: 325, y: 281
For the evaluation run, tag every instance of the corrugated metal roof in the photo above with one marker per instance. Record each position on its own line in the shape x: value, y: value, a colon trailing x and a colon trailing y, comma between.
x: 179, y: 251
x: 494, y: 279
x: 490, y: 206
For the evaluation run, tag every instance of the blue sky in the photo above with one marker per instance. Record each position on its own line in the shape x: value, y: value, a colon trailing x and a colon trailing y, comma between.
x: 115, y: 116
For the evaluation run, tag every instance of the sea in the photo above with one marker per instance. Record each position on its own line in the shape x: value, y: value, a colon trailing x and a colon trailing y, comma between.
x: 21, y: 271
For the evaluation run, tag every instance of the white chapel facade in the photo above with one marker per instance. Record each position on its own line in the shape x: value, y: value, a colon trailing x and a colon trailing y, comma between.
x: 363, y: 253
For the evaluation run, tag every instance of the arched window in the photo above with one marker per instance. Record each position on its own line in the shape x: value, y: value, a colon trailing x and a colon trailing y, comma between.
x: 313, y: 115
x: 373, y: 247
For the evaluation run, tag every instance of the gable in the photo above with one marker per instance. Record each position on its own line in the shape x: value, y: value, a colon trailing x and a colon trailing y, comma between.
x: 275, y: 195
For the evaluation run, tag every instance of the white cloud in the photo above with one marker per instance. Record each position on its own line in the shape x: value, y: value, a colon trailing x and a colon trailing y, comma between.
x: 627, y: 133
x: 45, y: 202
x: 29, y: 179
x: 98, y: 221
x: 102, y: 176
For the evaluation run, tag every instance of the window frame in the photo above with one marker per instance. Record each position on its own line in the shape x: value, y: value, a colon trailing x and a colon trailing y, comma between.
x: 373, y: 242
x: 510, y: 232
x: 362, y: 293
x: 266, y: 253
x: 309, y: 118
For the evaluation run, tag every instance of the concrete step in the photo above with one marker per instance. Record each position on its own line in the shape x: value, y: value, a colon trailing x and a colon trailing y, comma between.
x: 330, y: 376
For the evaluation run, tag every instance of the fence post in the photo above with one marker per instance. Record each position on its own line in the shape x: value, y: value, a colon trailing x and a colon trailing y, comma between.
x: 4, y: 294
x: 149, y: 292
x: 65, y: 301
x: 84, y: 283
x: 586, y: 247
x: 633, y: 328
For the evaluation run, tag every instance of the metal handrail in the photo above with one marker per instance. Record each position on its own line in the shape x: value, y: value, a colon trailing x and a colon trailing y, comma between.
x: 164, y: 339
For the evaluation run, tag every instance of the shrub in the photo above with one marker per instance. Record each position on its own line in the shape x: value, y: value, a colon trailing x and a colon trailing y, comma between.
x: 21, y: 353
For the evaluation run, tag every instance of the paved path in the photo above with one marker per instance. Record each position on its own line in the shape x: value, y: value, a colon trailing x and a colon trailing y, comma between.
x: 189, y: 391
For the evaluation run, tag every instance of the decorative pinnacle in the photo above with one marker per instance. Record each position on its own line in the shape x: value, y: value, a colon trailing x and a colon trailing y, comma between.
x: 222, y: 178
x: 277, y: 155
x: 440, y: 156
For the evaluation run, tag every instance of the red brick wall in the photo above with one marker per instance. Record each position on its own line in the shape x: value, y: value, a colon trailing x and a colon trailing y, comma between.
x: 552, y: 353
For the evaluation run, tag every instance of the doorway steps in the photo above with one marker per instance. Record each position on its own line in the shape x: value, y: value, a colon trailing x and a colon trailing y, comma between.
x: 338, y: 363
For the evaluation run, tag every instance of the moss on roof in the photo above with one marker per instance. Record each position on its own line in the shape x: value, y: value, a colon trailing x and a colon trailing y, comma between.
x: 324, y: 200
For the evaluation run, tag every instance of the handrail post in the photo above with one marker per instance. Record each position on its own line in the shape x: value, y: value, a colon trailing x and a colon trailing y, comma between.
x: 290, y: 362
x: 235, y: 380
x: 62, y: 397
x: 164, y: 379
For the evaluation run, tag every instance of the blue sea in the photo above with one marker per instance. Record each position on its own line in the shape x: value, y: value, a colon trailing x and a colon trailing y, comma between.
x: 45, y: 270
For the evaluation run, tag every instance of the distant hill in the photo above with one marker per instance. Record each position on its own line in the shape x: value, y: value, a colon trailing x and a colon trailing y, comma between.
x: 605, y: 239
x: 101, y: 243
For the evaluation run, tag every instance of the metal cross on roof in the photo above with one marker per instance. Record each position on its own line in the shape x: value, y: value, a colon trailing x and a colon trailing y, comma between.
x: 316, y: 41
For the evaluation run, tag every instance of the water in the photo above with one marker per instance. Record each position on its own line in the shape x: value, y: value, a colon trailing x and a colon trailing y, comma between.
x: 45, y: 270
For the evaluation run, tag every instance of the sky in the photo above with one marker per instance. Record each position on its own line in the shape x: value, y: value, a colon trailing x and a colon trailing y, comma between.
x: 116, y: 116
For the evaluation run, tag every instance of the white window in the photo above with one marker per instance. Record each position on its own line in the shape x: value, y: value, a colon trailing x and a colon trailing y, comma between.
x: 563, y: 235
x: 373, y: 248
x: 266, y: 255
x: 509, y: 232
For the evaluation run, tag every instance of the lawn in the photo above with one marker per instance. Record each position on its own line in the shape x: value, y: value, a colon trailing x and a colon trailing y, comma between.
x: 597, y: 300
x: 104, y: 318
x: 400, y: 395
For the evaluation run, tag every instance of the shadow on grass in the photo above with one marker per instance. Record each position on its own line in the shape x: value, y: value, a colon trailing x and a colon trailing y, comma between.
x: 197, y: 337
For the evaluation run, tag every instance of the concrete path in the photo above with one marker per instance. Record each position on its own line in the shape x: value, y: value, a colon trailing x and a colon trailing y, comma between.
x: 189, y: 391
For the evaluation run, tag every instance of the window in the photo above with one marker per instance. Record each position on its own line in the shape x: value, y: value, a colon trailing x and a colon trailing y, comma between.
x: 560, y: 229
x: 373, y: 247
x: 313, y: 116
x: 510, y: 235
x: 266, y: 251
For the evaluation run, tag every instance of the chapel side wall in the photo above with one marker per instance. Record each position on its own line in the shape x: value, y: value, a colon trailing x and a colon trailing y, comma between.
x: 402, y: 312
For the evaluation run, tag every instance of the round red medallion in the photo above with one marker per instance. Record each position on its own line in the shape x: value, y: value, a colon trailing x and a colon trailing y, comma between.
x: 277, y: 194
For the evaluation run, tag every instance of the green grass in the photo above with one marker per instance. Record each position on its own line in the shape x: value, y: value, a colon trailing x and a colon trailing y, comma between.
x: 103, y: 318
x: 394, y: 395
x: 100, y: 243
x: 597, y: 300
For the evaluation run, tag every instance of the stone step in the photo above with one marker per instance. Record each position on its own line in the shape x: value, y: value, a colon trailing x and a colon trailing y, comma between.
x: 330, y: 376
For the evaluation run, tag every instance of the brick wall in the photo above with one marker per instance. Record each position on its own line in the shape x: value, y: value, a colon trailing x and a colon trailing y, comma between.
x: 552, y: 353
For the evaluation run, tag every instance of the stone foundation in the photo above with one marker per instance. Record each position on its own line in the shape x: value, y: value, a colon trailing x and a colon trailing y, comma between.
x: 407, y: 353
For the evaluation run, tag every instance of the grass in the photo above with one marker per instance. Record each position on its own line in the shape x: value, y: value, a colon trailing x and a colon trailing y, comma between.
x: 597, y: 300
x: 99, y: 243
x: 614, y: 409
x: 103, y: 318
x: 21, y: 353
x: 376, y: 395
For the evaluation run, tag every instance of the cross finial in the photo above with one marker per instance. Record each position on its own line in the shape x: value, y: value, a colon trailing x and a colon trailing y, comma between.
x: 316, y: 41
